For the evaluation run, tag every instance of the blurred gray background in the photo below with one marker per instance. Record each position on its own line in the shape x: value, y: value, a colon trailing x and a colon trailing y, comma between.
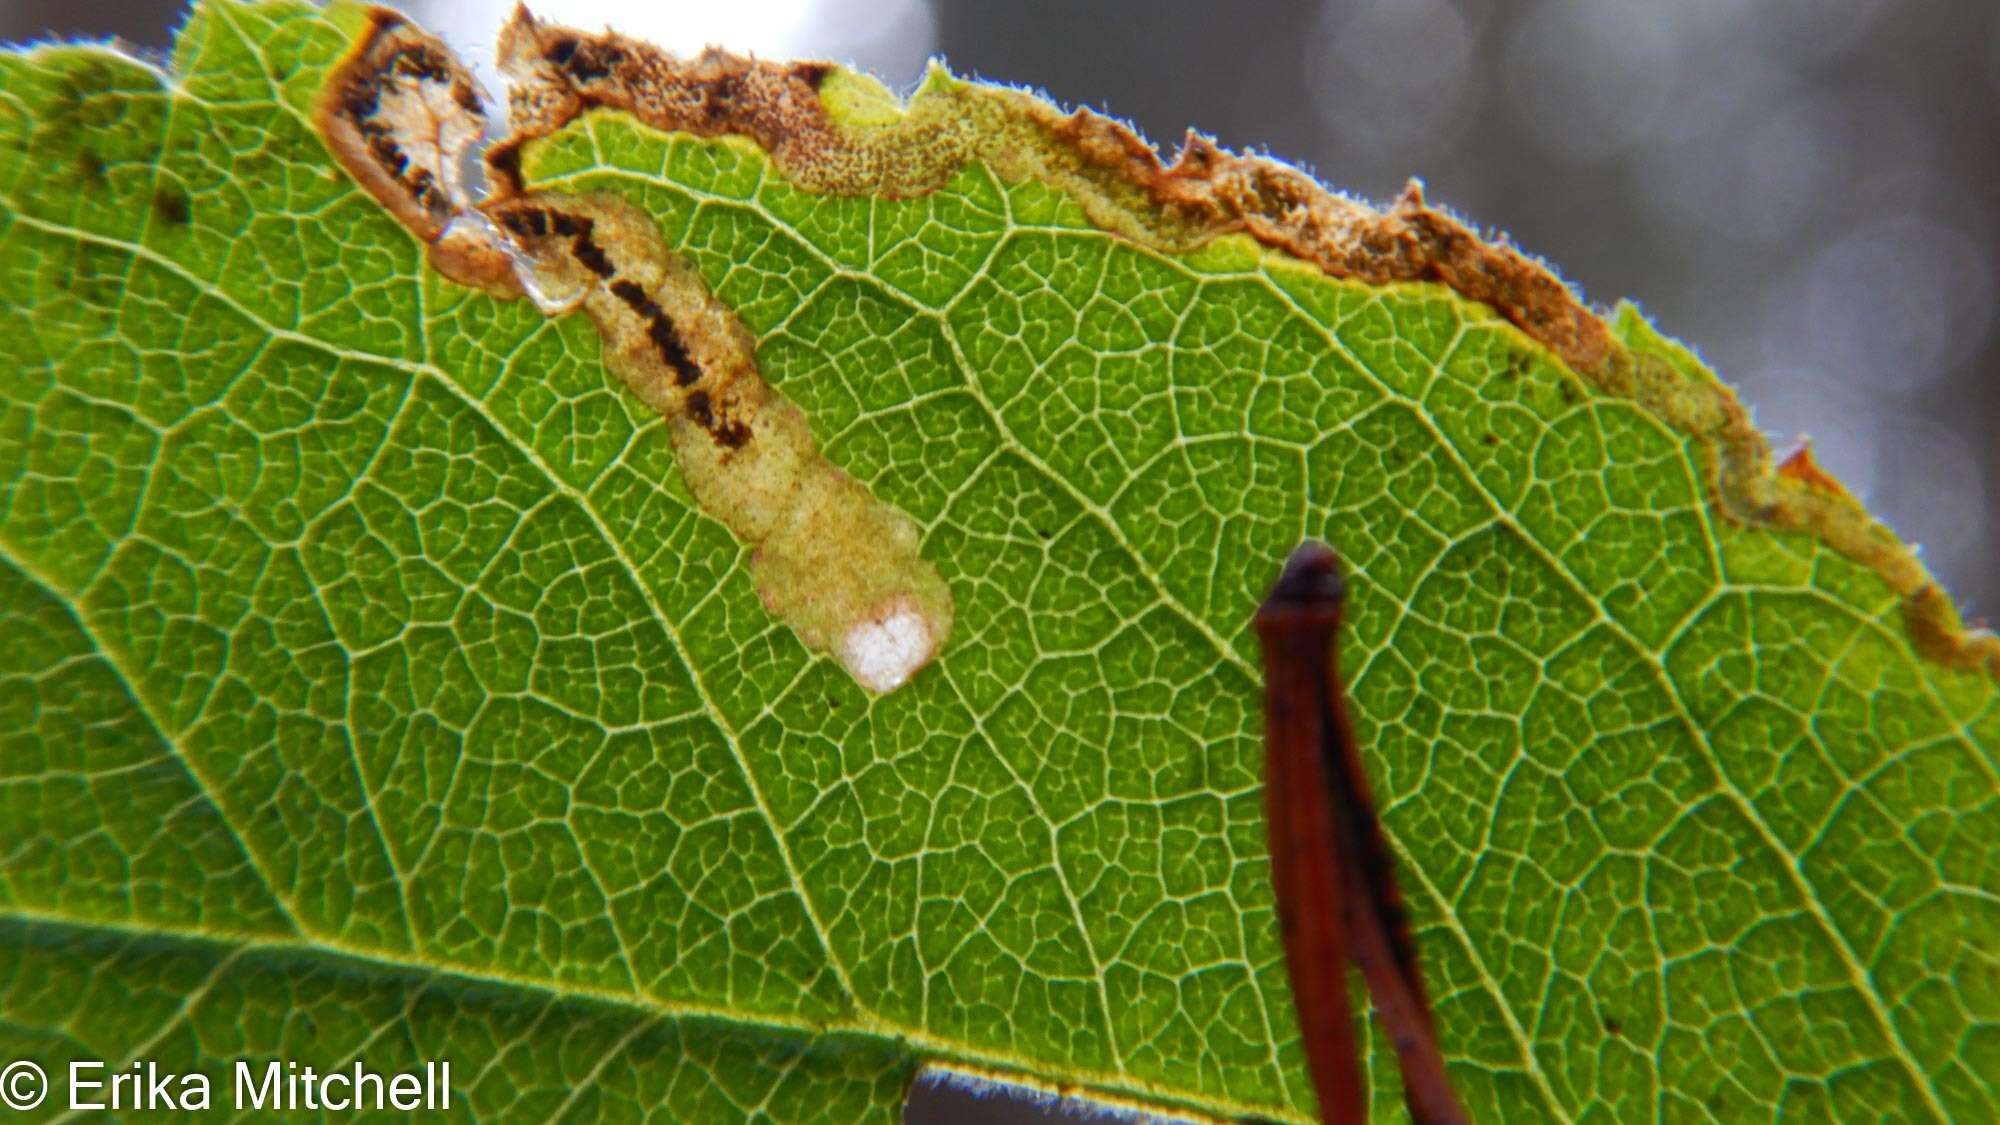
x: 1808, y: 191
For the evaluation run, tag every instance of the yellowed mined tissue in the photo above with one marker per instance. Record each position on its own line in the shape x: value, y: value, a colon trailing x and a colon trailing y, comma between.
x: 841, y: 568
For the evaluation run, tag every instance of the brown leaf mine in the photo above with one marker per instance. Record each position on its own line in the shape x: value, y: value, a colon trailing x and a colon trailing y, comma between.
x: 837, y: 565
x: 843, y: 569
x: 402, y: 116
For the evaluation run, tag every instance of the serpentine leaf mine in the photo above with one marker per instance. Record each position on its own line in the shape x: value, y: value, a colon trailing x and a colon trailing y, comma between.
x: 841, y: 568
x: 401, y: 117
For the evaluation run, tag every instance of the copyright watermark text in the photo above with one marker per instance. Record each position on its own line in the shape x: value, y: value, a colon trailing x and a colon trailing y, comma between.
x: 272, y: 1084
x: 23, y: 1085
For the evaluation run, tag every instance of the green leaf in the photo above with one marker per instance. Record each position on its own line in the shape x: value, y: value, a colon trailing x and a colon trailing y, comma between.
x: 376, y: 689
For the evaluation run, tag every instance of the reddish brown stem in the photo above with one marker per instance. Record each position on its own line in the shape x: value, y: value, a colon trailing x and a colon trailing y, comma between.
x: 1335, y: 878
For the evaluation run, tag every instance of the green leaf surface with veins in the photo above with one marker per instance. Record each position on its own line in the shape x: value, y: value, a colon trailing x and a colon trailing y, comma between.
x: 374, y: 689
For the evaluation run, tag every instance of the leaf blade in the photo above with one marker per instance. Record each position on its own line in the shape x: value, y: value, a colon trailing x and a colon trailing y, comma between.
x: 404, y: 541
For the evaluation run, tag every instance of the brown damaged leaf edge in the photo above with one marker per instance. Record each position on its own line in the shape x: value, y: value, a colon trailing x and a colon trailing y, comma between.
x: 1125, y: 188
x: 560, y: 73
x: 842, y: 569
x: 400, y: 114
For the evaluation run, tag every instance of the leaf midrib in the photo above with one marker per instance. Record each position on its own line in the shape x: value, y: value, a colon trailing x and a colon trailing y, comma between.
x: 316, y: 950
